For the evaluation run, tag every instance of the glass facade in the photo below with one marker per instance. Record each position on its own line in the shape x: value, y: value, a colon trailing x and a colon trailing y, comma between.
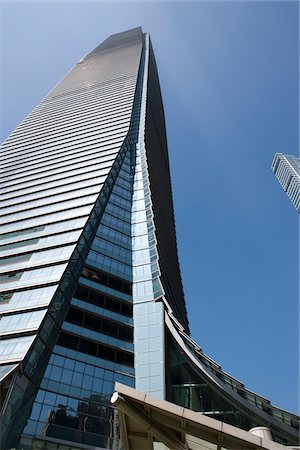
x: 286, y: 169
x: 65, y: 251
x: 91, y: 291
x: 95, y: 345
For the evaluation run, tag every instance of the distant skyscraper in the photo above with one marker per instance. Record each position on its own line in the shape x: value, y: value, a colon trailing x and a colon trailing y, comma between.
x: 91, y: 288
x: 287, y: 171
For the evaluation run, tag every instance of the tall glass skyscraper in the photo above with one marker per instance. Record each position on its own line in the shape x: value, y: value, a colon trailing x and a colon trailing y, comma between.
x: 286, y: 169
x: 91, y: 290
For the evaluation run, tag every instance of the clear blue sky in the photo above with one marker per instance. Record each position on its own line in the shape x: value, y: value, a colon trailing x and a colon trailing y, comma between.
x: 229, y: 76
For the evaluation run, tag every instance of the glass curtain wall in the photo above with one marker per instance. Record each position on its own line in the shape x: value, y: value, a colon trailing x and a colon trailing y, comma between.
x: 95, y: 345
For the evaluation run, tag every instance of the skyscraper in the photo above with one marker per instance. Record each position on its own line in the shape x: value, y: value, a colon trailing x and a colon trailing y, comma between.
x: 91, y: 290
x: 286, y: 169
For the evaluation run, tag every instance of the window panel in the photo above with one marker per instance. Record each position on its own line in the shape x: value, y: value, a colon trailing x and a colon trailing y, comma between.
x: 62, y: 162
x: 15, y: 349
x: 28, y: 299
x: 18, y: 260
x: 38, y: 258
x: 35, y: 277
x: 48, y: 209
x: 51, y: 188
x: 77, y: 118
x: 109, y: 265
x: 8, y: 248
x: 49, y: 218
x: 19, y: 322
x: 43, y: 230
x: 105, y: 146
x: 87, y: 138
x: 62, y: 197
x: 116, y: 223
x: 103, y: 311
x: 20, y: 233
x: 38, y: 243
x: 56, y: 171
x: 113, y: 235
x: 56, y: 185
x: 102, y: 104
x: 71, y: 129
x: 100, y: 299
x: 102, y: 169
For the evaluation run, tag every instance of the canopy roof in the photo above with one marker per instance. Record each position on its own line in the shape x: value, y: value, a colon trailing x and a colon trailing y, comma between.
x: 150, y: 423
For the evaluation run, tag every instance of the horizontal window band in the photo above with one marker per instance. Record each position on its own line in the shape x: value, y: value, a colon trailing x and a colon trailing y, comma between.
x: 101, y: 137
x: 18, y: 333
x: 101, y: 311
x: 97, y: 362
x: 56, y: 199
x: 104, y: 300
x: 100, y: 87
x: 17, y: 245
x: 112, y: 240
x: 65, y: 205
x: 104, y: 230
x: 60, y: 171
x: 40, y: 232
x: 21, y: 153
x: 44, y: 111
x: 103, y: 146
x: 122, y: 221
x: 64, y: 162
x: 97, y: 84
x: 22, y: 232
x: 84, y: 345
x: 31, y: 284
x: 40, y: 117
x: 117, y: 268
x: 98, y: 337
x: 88, y: 117
x: 91, y: 176
x: 51, y: 192
x: 86, y: 111
x: 15, y: 258
x: 57, y: 154
x: 28, y: 288
x: 46, y: 161
x: 98, y: 141
x: 26, y: 151
x: 24, y: 247
x: 116, y: 228
x: 24, y: 310
x: 55, y: 220
x: 21, y: 251
x: 22, y: 270
x: 109, y: 219
x: 99, y: 323
x: 96, y: 254
x: 7, y: 179
x: 107, y: 279
x: 77, y: 134
x: 56, y: 179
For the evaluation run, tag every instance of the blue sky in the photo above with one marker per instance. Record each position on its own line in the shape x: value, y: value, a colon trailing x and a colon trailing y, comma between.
x: 229, y: 74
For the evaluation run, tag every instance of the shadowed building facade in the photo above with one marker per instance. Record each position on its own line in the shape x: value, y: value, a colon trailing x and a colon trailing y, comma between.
x: 91, y: 292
